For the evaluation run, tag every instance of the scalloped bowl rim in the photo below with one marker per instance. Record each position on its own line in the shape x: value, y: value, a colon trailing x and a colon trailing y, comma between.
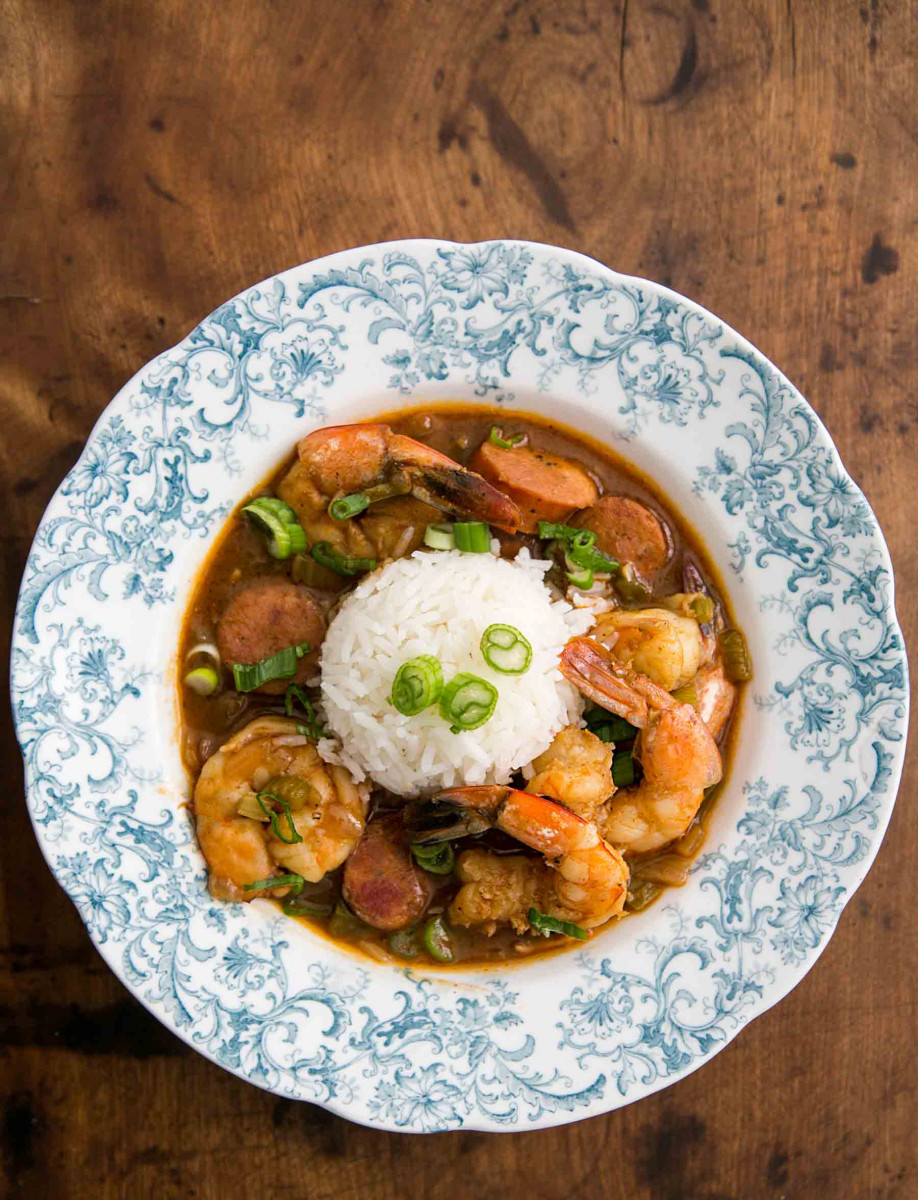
x: 425, y: 1110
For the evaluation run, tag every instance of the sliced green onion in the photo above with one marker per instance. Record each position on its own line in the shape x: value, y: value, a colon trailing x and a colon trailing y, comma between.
x: 497, y: 438
x: 311, y: 727
x: 280, y: 543
x: 298, y: 543
x: 440, y: 537
x: 294, y: 882
x: 436, y: 940
x: 546, y: 925
x: 581, y: 552
x: 346, y: 507
x: 737, y: 661
x: 686, y: 695
x: 203, y: 681
x: 282, y: 665
x: 404, y: 944
x: 325, y: 556
x: 702, y: 608
x: 582, y: 539
x: 438, y: 858
x: 467, y: 702
x: 550, y: 531
x: 623, y: 768
x: 580, y: 578
x: 417, y: 684
x: 472, y: 537
x: 272, y: 817
x: 505, y: 649
x: 608, y: 727
x: 279, y: 508
x: 206, y: 651
x: 278, y: 520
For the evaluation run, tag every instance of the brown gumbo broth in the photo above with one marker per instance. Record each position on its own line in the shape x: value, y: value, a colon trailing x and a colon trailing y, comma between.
x: 240, y: 556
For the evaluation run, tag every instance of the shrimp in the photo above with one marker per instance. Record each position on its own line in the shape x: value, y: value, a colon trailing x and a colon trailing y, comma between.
x: 677, y: 752
x: 575, y: 770
x: 716, y: 696
x: 374, y: 460
x: 328, y: 809
x: 664, y: 646
x: 582, y: 879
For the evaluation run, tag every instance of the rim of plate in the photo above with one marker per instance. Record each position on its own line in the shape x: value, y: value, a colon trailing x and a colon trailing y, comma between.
x: 483, y: 1059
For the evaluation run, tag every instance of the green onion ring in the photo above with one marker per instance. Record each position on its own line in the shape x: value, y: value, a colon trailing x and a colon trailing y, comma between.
x: 280, y: 508
x: 311, y: 728
x: 438, y: 858
x: 582, y: 552
x: 436, y: 940
x: 472, y: 537
x: 505, y: 649
x: 349, y: 506
x: 417, y: 684
x: 203, y: 681
x: 278, y: 520
x: 497, y: 438
x: 582, y: 579
x: 545, y: 925
x: 549, y: 531
x: 294, y: 882
x: 440, y: 537
x: 282, y: 665
x: 467, y: 702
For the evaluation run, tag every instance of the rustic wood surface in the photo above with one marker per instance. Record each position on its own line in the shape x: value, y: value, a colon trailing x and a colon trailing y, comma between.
x: 760, y: 156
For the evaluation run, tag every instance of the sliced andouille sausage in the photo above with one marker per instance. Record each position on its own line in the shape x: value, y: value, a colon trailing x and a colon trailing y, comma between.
x: 268, y: 616
x: 627, y: 530
x: 382, y: 883
x: 545, y: 486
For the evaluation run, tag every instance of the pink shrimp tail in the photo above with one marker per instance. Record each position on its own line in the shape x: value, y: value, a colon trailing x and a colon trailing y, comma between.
x: 618, y: 689
x: 536, y: 821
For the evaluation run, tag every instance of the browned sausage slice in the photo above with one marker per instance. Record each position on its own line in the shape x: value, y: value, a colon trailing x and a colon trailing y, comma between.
x: 265, y: 617
x: 382, y: 884
x: 627, y: 530
x: 544, y: 486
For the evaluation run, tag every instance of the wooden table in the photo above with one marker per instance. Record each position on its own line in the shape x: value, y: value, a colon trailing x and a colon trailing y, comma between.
x: 760, y: 156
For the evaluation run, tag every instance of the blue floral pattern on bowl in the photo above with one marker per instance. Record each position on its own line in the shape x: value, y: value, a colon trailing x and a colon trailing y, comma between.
x: 735, y: 447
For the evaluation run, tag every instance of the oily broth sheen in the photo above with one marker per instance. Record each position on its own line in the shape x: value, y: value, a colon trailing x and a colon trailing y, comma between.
x: 238, y: 555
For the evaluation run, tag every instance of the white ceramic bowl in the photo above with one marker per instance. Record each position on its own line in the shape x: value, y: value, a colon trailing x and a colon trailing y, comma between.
x: 735, y: 448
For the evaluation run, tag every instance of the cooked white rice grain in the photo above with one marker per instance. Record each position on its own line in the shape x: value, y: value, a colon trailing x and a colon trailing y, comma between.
x: 441, y: 603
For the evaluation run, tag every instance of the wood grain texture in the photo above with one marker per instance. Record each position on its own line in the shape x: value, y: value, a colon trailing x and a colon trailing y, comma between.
x: 760, y: 156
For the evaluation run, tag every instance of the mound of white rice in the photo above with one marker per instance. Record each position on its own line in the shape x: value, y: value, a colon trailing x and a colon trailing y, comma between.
x: 441, y: 603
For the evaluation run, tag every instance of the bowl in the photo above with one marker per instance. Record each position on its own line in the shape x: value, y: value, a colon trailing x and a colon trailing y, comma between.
x: 735, y: 448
